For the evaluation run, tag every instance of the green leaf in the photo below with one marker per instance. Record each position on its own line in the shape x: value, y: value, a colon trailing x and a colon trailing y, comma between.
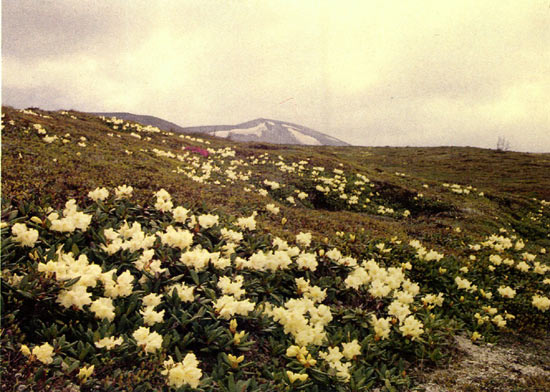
x: 83, y: 353
x: 199, y: 314
x: 210, y: 293
x: 25, y: 294
x: 388, y: 386
x: 68, y: 283
x: 178, y: 355
x: 75, y: 250
x: 231, y: 383
x: 39, y: 374
x: 195, y: 277
x: 73, y: 367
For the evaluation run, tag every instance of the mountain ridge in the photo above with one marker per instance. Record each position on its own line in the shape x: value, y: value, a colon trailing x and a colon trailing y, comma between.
x: 258, y: 130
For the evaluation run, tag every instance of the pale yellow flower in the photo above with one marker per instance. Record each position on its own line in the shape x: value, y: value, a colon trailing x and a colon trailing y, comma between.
x: 85, y: 372
x: 238, y: 336
x: 234, y: 361
x: 44, y: 353
x: 293, y: 377
x: 25, y: 350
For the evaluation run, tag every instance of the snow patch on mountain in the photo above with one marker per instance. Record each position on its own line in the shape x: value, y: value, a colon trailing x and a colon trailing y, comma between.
x: 303, y: 139
x: 256, y: 131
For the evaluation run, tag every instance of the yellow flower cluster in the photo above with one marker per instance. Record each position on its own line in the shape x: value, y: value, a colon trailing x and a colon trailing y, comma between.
x: 164, y: 201
x: 272, y: 184
x: 39, y: 129
x: 423, y: 254
x: 265, y: 261
x: 465, y: 284
x: 540, y: 302
x: 162, y: 153
x: 506, y: 292
x: 382, y: 327
x: 146, y: 263
x: 199, y: 258
x: 385, y: 210
x: 148, y: 312
x: 44, y: 352
x: 231, y: 235
x: 65, y: 268
x: 180, y: 214
x: 293, y: 377
x: 123, y: 191
x: 247, y: 223
x: 121, y: 287
x: 127, y: 238
x: 411, y: 327
x: 208, y: 220
x: 98, y: 194
x: 103, y: 308
x: 475, y: 336
x: 72, y: 219
x: 303, y: 320
x: 460, y: 189
x: 303, y: 239
x: 307, y: 261
x: 498, y: 242
x: 351, y: 350
x: 184, y: 292
x: 183, y: 373
x: 176, y: 238
x: 227, y: 306
x: 381, y: 281
x: 232, y: 287
x: 149, y: 341
x: 109, y: 342
x: 432, y: 300
x: 336, y: 256
x: 281, y: 244
x: 302, y: 355
x: 311, y: 292
x: 523, y: 266
x: 85, y: 372
x: 77, y: 296
x: 540, y: 268
x: 334, y: 357
x: 24, y: 235
x: 382, y: 248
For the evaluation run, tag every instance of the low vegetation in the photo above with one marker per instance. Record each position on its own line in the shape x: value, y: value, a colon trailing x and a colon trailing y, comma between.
x: 135, y: 258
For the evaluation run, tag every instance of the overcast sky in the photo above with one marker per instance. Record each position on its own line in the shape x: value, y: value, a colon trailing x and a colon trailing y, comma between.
x: 417, y: 73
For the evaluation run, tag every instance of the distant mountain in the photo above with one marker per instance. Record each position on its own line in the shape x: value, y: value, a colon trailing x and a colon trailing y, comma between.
x: 269, y: 131
x: 259, y: 130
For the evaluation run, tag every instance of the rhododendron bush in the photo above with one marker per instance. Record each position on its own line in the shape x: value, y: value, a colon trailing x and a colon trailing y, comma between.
x: 110, y: 294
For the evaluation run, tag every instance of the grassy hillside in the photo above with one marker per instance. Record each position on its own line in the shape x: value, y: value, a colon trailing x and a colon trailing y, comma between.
x: 344, y: 268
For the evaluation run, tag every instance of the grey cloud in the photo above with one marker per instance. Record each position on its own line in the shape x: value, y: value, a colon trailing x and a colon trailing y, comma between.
x: 39, y: 28
x: 453, y: 73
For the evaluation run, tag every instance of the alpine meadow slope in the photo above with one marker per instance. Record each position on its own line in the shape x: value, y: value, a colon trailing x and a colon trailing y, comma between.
x: 134, y: 258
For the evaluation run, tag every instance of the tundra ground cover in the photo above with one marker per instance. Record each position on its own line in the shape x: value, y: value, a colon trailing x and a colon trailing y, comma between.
x: 223, y: 283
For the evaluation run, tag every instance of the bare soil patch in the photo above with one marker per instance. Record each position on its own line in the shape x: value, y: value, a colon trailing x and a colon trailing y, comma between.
x: 518, y: 363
